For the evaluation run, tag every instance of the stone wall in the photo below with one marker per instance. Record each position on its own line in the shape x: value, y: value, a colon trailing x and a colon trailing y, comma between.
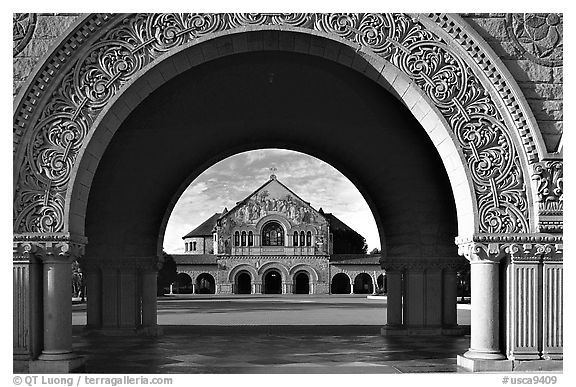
x: 535, y: 64
x: 33, y: 37
x: 204, y: 245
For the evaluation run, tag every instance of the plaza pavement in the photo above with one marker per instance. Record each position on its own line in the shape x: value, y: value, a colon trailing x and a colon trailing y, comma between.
x: 269, y: 334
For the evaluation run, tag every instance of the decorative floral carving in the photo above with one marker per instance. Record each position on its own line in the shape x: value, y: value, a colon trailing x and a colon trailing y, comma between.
x: 548, y: 179
x: 132, y: 43
x: 23, y: 25
x: 534, y: 253
x: 537, y: 36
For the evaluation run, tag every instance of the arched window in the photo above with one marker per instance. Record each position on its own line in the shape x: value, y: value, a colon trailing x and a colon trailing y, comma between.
x: 272, y: 235
x: 302, y: 238
x: 236, y: 238
x: 185, y: 246
x: 295, y: 238
x: 308, y: 238
x: 250, y: 238
x: 243, y: 238
x: 194, y: 246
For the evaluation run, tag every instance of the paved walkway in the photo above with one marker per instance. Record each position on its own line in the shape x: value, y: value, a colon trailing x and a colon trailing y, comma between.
x: 269, y: 334
x: 271, y: 310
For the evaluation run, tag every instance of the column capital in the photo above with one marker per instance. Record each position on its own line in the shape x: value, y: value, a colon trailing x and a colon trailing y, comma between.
x: 478, y: 252
x: 55, y: 248
x: 535, y: 252
x: 519, y: 247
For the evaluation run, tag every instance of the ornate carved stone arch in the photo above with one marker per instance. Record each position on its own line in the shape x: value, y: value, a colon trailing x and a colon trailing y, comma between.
x: 419, y: 57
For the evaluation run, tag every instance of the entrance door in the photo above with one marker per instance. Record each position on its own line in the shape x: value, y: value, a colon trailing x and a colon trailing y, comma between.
x: 243, y: 283
x: 302, y: 283
x: 273, y: 282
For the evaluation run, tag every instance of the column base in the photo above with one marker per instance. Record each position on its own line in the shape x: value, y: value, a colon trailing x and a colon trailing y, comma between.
x: 57, y: 355
x: 391, y: 330
x: 484, y: 365
x: 56, y: 366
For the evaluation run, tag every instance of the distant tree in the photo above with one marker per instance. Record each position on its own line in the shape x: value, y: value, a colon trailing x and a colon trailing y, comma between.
x: 167, y: 274
x: 375, y: 250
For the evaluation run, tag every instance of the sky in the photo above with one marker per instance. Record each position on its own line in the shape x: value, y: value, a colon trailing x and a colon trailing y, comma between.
x: 234, y: 178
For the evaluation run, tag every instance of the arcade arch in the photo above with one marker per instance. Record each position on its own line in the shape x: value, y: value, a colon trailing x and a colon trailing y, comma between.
x: 340, y: 284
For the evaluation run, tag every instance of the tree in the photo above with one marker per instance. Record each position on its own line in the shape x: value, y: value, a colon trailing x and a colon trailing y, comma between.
x: 167, y: 274
x: 375, y: 251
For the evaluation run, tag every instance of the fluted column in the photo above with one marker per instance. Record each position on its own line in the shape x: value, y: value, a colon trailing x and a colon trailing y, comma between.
x: 27, y: 305
x: 534, y: 327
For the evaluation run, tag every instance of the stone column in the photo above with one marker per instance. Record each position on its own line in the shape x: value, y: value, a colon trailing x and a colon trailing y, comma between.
x: 351, y: 286
x: 57, y: 355
x: 484, y: 272
x: 552, y: 326
x: 414, y: 297
x: 94, y: 300
x: 149, y: 304
x: 394, y: 298
x: 449, y: 298
x: 533, y: 304
x: 109, y: 297
x: 27, y: 306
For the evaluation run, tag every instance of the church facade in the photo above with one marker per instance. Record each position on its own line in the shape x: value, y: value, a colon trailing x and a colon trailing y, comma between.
x: 274, y: 242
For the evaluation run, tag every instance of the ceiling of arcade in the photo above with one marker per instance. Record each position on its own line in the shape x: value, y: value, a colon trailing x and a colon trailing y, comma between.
x: 530, y: 46
x: 400, y: 169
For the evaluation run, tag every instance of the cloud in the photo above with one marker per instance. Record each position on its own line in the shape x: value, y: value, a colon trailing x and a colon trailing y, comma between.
x: 233, y: 179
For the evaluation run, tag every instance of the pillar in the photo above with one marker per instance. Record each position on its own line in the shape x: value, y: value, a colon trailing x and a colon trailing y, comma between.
x: 485, y: 330
x: 432, y: 307
x: 553, y: 298
x: 149, y: 304
x: 485, y: 294
x: 351, y: 286
x: 57, y: 308
x: 109, y: 297
x: 533, y: 318
x: 94, y: 300
x: 414, y: 298
x: 27, y: 307
x: 394, y: 298
x: 449, y: 298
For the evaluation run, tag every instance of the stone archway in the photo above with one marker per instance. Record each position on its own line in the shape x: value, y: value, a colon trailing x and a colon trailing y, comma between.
x: 243, y: 283
x: 301, y: 283
x: 485, y: 136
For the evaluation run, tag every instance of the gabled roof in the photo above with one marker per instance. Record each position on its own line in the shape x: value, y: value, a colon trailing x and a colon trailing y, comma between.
x: 272, y: 178
x: 337, y: 224
x: 205, y: 229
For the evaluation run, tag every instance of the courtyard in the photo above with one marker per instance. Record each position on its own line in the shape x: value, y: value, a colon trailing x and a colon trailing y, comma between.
x: 269, y: 334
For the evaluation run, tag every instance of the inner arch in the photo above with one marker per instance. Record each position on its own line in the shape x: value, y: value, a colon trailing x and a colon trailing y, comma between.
x: 271, y: 99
